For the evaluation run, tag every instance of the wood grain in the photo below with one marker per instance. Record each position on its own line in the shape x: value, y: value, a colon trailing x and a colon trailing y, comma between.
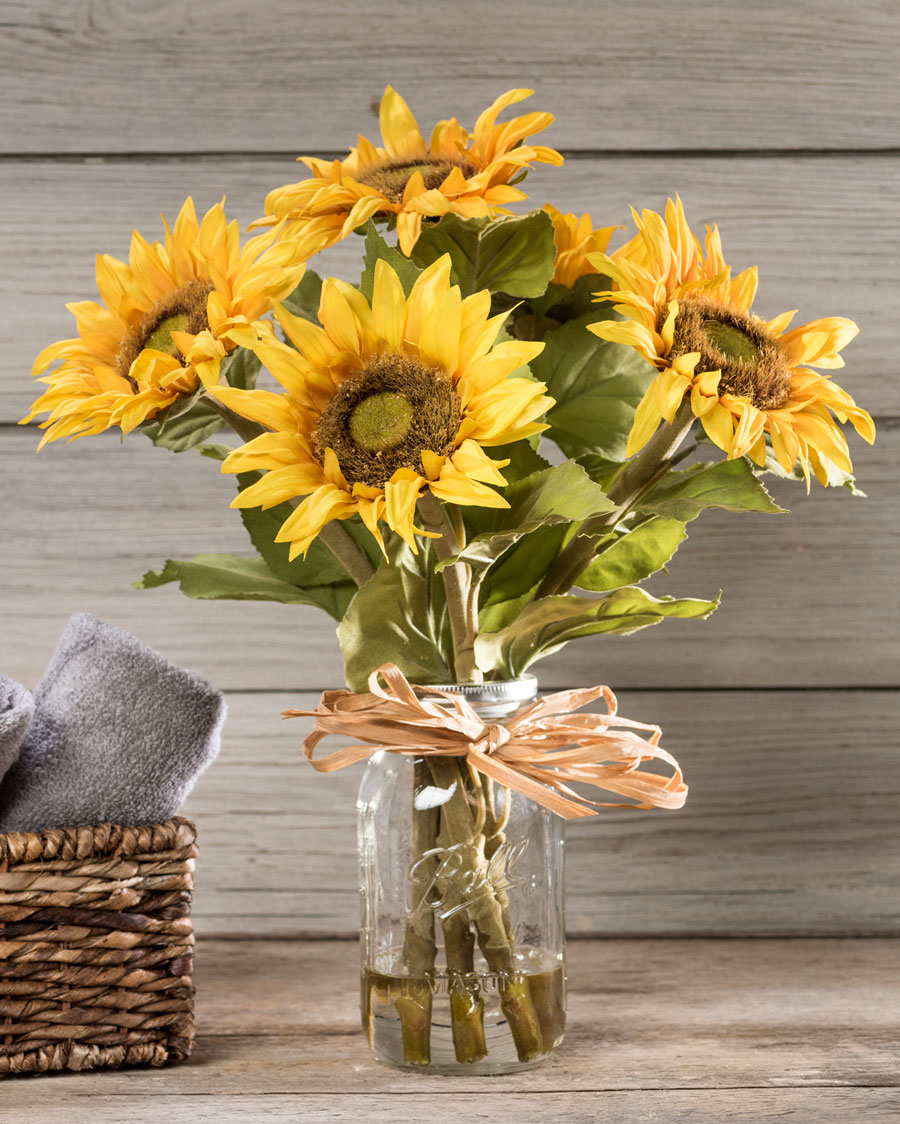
x: 810, y: 598
x: 492, y: 1103
x: 118, y: 76
x: 824, y: 231
x: 670, y: 1030
x: 790, y: 826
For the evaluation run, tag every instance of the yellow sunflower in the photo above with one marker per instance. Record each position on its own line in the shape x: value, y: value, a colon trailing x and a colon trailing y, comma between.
x: 166, y: 317
x: 382, y: 403
x: 746, y: 377
x: 414, y: 179
x: 575, y: 238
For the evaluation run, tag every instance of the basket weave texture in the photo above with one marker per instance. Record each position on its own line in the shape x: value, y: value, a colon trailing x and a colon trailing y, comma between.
x: 96, y: 947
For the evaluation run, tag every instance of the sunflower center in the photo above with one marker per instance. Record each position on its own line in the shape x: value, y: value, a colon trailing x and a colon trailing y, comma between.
x: 385, y: 416
x: 381, y: 421
x: 730, y: 341
x: 182, y: 310
x: 753, y: 366
x: 161, y: 338
x: 392, y: 176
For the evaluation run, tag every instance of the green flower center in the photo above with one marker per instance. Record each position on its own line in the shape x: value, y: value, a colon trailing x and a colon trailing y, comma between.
x: 731, y: 341
x: 381, y: 421
x: 751, y: 362
x: 182, y: 310
x: 161, y: 338
x: 385, y: 416
x: 392, y: 176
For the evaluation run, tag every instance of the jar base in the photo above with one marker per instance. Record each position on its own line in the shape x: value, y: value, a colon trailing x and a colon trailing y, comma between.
x: 410, y: 1025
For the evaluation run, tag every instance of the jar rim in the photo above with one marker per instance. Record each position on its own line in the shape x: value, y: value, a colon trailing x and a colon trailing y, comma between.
x: 523, y: 689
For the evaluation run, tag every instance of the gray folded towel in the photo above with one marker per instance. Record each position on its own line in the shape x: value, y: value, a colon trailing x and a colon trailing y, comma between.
x: 119, y: 735
x: 16, y: 709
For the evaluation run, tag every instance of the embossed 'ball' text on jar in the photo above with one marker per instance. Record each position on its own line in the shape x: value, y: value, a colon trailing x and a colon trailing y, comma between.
x: 463, y: 921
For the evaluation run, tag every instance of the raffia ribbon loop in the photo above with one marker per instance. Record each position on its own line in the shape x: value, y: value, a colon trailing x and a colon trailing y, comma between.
x: 494, y: 738
x: 539, y: 752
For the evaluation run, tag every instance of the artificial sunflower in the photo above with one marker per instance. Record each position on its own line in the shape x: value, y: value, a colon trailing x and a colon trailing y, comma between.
x: 575, y: 238
x: 166, y: 317
x: 414, y: 179
x: 382, y: 403
x: 747, y: 377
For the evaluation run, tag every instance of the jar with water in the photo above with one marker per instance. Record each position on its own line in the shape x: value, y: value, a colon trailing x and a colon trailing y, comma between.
x: 463, y: 928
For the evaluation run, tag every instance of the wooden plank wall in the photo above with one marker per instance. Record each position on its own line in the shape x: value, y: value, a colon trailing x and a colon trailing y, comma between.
x: 777, y: 121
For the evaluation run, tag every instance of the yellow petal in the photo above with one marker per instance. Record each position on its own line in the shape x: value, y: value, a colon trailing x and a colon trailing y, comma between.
x: 646, y: 419
x: 322, y: 506
x: 279, y: 485
x: 401, y: 493
x: 818, y: 342
x: 399, y: 128
x: 388, y: 307
x: 409, y: 227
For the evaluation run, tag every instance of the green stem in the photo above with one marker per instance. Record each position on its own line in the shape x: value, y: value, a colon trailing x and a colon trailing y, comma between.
x: 419, y: 949
x: 347, y: 551
x: 632, y: 483
x: 457, y: 586
x: 466, y: 1003
x: 458, y: 831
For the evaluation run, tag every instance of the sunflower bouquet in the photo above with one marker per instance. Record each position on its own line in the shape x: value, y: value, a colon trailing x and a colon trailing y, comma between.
x: 475, y: 453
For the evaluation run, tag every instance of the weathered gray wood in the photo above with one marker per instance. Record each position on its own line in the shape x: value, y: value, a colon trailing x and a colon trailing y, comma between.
x: 120, y: 76
x: 824, y: 231
x: 489, y: 1103
x: 708, y: 1030
x: 790, y: 826
x: 810, y: 598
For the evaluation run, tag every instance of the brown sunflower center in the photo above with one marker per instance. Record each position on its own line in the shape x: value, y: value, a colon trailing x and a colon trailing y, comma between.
x: 752, y: 364
x: 392, y: 176
x: 385, y: 416
x: 183, y: 310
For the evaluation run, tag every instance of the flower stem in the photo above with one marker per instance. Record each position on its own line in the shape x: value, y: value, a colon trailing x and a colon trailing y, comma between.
x: 633, y: 482
x: 419, y: 949
x: 347, y: 551
x: 457, y: 586
x: 458, y: 832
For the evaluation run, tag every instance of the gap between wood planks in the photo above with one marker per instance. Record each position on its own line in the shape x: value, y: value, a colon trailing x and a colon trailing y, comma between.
x: 238, y: 156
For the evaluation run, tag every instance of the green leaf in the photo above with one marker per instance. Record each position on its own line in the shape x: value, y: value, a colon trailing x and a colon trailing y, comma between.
x: 318, y: 568
x: 558, y: 304
x: 597, y: 386
x: 513, y: 255
x: 544, y: 626
x: 304, y: 300
x: 179, y: 430
x: 514, y: 578
x: 215, y: 452
x: 376, y: 248
x: 837, y: 477
x: 601, y: 470
x: 730, y: 485
x: 398, y: 615
x: 217, y: 577
x: 240, y: 369
x: 523, y: 459
x: 635, y: 555
x: 561, y: 494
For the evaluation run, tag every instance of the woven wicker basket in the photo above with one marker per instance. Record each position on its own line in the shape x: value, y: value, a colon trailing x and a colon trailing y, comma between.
x: 96, y: 947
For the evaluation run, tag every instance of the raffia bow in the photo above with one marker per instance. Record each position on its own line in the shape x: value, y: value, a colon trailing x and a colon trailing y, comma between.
x: 539, y: 752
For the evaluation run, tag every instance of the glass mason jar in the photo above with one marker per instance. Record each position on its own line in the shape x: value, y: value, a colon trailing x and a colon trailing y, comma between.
x: 463, y: 926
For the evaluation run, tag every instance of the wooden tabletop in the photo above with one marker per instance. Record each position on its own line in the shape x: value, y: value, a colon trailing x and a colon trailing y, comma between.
x: 659, y: 1030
